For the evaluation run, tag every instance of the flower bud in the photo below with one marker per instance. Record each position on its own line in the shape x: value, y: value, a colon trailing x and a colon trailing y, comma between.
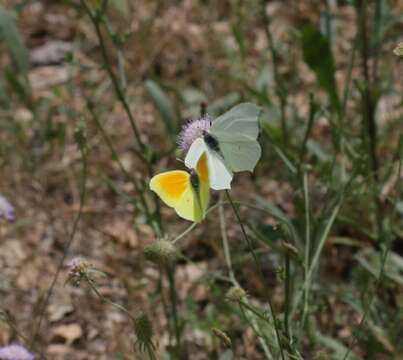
x: 235, y: 294
x: 161, y: 252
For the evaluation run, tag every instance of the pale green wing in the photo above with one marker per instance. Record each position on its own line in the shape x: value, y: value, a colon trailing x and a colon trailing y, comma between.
x: 236, y: 132
x: 240, y: 152
x: 242, y: 119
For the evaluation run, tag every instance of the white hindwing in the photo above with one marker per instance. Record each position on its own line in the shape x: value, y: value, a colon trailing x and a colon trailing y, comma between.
x: 220, y: 176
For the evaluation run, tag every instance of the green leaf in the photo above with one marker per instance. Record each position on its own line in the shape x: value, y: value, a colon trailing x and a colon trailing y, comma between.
x: 163, y: 105
x: 338, y: 348
x: 318, y: 56
x: 12, y: 37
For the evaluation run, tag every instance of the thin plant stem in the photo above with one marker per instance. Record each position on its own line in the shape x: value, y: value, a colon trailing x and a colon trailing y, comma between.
x: 170, y: 269
x: 376, y: 287
x: 149, y: 349
x: 93, y: 287
x: 280, y: 91
x: 224, y: 237
x: 248, y: 242
x: 307, y: 245
x: 156, y: 224
x: 369, y: 107
x: 287, y: 292
x: 96, y: 19
x: 227, y: 255
x: 66, y: 248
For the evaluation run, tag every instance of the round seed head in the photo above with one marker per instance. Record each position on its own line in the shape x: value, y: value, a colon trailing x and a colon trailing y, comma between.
x: 235, y: 294
x: 161, y: 252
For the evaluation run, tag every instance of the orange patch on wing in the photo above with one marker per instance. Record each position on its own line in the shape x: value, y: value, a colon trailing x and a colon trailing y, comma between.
x: 173, y: 183
x: 202, y: 169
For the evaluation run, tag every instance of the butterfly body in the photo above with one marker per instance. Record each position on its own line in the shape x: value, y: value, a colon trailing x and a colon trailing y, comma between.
x: 230, y: 145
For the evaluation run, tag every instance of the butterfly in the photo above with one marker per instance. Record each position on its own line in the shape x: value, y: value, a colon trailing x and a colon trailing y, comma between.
x: 230, y: 145
x: 187, y: 192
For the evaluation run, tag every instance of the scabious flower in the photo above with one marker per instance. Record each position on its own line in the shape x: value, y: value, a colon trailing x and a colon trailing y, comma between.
x: 193, y: 130
x: 6, y: 209
x: 78, y: 270
x: 15, y: 352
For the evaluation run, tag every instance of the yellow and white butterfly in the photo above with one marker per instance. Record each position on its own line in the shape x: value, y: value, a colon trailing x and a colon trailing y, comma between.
x: 188, y: 193
x: 230, y: 145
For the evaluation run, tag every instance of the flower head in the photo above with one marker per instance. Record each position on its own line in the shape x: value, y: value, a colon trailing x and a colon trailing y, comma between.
x: 78, y: 270
x: 15, y: 352
x: 6, y: 209
x: 193, y: 130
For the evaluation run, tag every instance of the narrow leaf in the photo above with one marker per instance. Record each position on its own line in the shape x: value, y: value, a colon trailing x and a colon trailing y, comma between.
x: 318, y: 56
x: 163, y: 105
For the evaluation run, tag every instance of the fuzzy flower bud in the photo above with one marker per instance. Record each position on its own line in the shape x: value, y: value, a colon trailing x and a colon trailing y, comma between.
x: 6, y: 209
x: 144, y: 332
x: 161, y: 252
x: 193, y: 130
x: 224, y: 338
x: 15, y: 352
x: 235, y: 294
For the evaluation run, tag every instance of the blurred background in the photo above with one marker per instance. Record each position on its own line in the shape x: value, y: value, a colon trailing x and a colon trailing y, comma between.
x: 93, y: 95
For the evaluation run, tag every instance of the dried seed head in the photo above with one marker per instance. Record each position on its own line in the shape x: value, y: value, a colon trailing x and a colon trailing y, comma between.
x: 161, y: 252
x: 144, y: 332
x: 79, y: 269
x: 235, y: 294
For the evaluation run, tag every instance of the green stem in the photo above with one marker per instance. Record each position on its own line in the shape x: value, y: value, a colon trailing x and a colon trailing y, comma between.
x: 287, y: 296
x: 66, y: 248
x: 227, y: 254
x: 249, y: 243
x: 369, y: 107
x: 96, y: 20
x: 280, y: 90
x: 172, y: 294
x: 307, y: 253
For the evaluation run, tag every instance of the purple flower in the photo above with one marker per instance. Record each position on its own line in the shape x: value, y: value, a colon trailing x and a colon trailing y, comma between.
x: 193, y: 130
x: 6, y: 209
x: 15, y: 352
